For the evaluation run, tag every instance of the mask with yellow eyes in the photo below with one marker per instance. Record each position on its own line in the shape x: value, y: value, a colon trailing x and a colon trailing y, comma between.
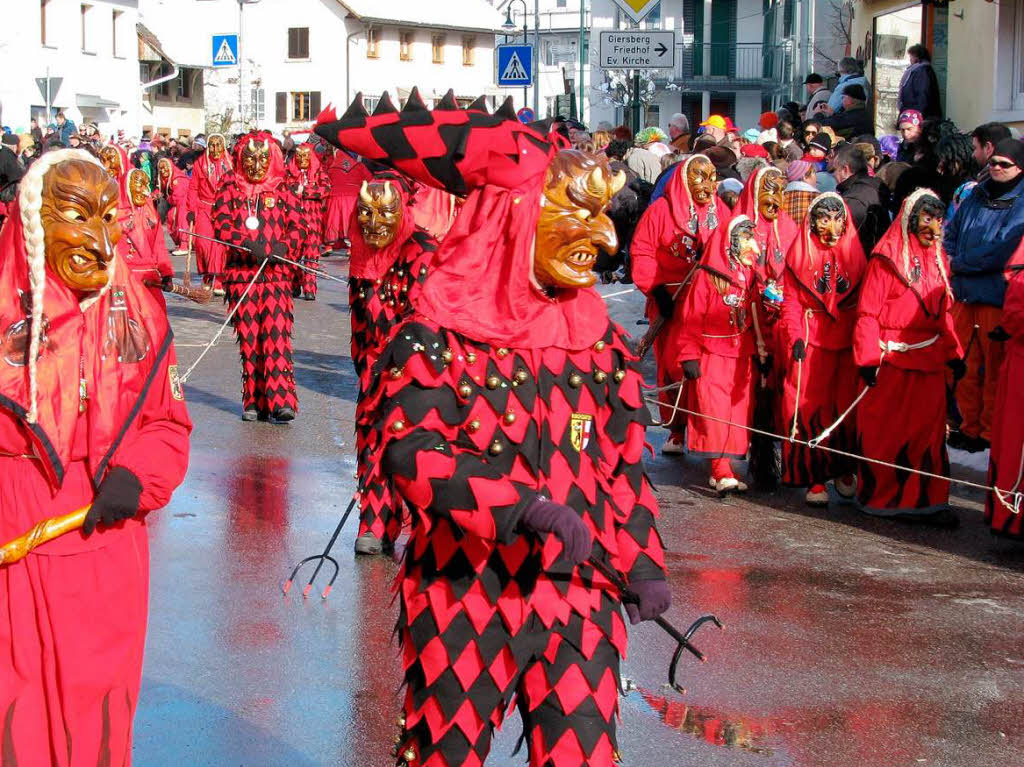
x: 701, y: 180
x: 573, y: 225
x: 80, y: 227
x: 379, y: 212
x: 256, y: 160
x: 138, y: 187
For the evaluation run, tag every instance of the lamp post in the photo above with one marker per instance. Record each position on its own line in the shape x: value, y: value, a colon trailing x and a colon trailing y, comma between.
x: 510, y: 27
x: 241, y: 3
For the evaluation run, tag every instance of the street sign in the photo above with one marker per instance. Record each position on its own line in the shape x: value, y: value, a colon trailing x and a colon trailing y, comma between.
x: 526, y: 115
x: 55, y: 83
x: 636, y: 9
x: 638, y: 49
x: 225, y: 50
x: 515, y: 65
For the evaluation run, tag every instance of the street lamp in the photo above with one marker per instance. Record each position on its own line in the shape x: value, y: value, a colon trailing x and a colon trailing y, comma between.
x: 241, y: 3
x: 510, y: 27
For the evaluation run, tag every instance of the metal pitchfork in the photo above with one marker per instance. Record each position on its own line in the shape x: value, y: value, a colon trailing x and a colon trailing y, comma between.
x: 682, y: 639
x: 321, y: 558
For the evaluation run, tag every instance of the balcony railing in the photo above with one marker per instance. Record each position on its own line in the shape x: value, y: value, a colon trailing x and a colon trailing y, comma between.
x: 707, y: 66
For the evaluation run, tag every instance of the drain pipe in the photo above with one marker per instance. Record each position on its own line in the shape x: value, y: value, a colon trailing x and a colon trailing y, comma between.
x: 348, y: 65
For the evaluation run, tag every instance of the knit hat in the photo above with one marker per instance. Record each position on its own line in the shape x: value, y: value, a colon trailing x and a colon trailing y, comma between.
x: 754, y: 150
x: 797, y: 169
x: 890, y: 146
x: 768, y: 120
x: 730, y: 185
x: 768, y: 135
x: 10, y: 139
x: 822, y: 142
x: 751, y: 134
x: 855, y: 92
x: 1011, y: 149
x: 911, y: 116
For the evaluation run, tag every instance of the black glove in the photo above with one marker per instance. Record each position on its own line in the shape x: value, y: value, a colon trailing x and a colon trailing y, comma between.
x: 765, y: 367
x: 959, y: 368
x: 190, y: 217
x: 666, y: 304
x: 117, y: 500
x: 691, y: 369
x: 799, y: 350
x: 998, y: 333
x: 543, y: 515
x: 870, y: 374
x: 167, y: 281
x: 653, y: 597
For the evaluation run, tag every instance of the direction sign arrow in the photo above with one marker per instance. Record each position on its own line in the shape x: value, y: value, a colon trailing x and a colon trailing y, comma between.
x: 638, y: 49
x: 660, y: 49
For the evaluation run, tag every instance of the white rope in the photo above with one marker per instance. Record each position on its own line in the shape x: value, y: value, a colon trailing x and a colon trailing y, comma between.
x: 800, y: 374
x: 220, y: 330
x: 1016, y: 495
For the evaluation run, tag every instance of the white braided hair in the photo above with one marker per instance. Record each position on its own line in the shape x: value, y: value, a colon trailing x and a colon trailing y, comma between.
x: 30, y: 199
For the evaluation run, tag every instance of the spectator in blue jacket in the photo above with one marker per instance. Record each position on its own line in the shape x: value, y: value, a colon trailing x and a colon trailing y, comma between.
x: 64, y: 128
x: 850, y: 73
x: 983, y: 234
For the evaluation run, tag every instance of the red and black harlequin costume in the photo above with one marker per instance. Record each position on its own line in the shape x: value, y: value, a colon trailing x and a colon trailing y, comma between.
x: 490, y: 393
x: 380, y: 283
x: 819, y: 309
x: 666, y: 247
x: 312, y: 187
x: 1006, y: 464
x: 345, y: 175
x: 716, y: 330
x: 73, y: 612
x: 264, y: 320
x: 142, y: 248
x: 204, y: 185
x: 175, y: 191
x: 904, y: 326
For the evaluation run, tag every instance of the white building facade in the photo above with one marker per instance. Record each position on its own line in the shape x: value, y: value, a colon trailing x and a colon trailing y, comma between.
x: 298, y: 56
x: 91, y: 46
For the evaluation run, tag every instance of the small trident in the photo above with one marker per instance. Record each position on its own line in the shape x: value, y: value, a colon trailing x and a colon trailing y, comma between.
x: 682, y: 640
x: 321, y: 558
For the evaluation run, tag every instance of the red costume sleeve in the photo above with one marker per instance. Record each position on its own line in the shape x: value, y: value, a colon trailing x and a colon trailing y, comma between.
x: 686, y: 334
x: 179, y: 199
x: 643, y: 250
x: 792, y: 318
x: 156, y: 448
x: 161, y: 257
x: 192, y: 199
x: 874, y: 292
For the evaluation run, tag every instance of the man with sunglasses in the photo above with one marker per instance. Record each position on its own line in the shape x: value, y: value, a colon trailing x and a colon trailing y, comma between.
x: 979, y: 240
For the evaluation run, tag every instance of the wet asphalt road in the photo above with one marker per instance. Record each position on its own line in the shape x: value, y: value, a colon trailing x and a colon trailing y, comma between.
x: 848, y: 641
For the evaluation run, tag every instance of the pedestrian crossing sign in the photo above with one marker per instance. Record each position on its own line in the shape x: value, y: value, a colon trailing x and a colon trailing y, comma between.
x: 515, y: 65
x: 225, y: 50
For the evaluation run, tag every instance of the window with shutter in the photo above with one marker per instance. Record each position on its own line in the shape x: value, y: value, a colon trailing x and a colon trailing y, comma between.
x: 298, y: 42
x: 281, y: 107
x: 314, y: 105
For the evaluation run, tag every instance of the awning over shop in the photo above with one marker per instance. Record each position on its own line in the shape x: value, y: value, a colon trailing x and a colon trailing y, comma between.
x: 87, y: 101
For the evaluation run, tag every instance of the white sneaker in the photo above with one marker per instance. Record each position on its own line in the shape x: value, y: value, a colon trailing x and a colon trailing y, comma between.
x: 817, y: 496
x: 728, y: 485
x: 673, y: 446
x: 846, y: 490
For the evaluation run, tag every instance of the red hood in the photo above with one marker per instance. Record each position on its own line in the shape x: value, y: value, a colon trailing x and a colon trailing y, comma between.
x: 716, y: 257
x: 275, y: 173
x: 482, y: 283
x: 203, y: 161
x: 684, y: 210
x: 176, y: 173
x: 777, y: 235
x: 292, y: 167
x: 904, y: 253
x: 68, y: 324
x: 807, y: 256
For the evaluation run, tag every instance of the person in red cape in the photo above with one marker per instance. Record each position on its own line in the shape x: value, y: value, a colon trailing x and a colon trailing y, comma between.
x: 259, y: 215
x: 310, y: 183
x: 91, y: 412
x: 1004, y: 510
x: 762, y: 202
x: 434, y: 210
x: 209, y: 172
x: 389, y: 257
x: 903, y: 341
x: 715, y: 343
x: 115, y: 161
x: 173, y: 185
x: 142, y: 248
x: 666, y: 248
x: 824, y: 267
x: 512, y: 421
x: 346, y: 175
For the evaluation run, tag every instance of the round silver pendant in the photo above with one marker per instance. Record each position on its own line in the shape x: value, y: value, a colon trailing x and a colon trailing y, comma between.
x: 252, y: 223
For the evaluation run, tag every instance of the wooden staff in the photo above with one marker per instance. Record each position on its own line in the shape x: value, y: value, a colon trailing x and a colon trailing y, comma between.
x: 199, y: 295
x: 647, y: 341
x: 186, y: 277
x: 47, y: 530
